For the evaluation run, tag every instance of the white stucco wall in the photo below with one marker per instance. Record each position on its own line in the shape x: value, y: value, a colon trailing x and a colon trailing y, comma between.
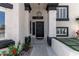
x: 12, y: 24
x: 9, y: 24
x: 15, y: 23
x: 62, y: 49
x: 72, y: 23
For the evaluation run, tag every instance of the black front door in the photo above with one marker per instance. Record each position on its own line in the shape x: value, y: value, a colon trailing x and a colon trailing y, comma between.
x: 39, y: 29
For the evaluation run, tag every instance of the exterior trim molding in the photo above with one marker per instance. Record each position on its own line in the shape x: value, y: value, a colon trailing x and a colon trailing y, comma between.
x: 51, y: 6
x: 7, y: 5
x: 27, y: 6
x: 62, y: 19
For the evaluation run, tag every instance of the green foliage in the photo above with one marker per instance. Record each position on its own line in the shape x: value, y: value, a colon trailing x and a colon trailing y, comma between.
x: 27, y: 44
x: 28, y: 40
x: 13, y: 50
x: 3, y: 53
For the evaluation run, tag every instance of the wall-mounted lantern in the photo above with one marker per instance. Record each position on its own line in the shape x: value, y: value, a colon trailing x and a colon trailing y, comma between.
x: 77, y: 18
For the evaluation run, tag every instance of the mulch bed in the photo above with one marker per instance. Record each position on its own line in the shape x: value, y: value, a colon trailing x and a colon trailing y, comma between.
x: 26, y: 52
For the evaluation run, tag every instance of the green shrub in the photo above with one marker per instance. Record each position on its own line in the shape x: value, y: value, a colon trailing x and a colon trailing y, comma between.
x: 13, y: 50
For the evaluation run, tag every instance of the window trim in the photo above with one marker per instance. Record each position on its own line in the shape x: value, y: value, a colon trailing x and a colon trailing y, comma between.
x: 63, y: 35
x: 64, y: 19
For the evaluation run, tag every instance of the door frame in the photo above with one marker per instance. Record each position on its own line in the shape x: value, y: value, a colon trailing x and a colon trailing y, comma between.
x: 34, y: 36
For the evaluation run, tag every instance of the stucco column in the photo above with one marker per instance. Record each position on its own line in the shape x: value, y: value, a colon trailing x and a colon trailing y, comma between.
x: 52, y: 23
x: 51, y: 8
x: 27, y: 20
x: 27, y: 23
x: 21, y: 23
x: 51, y: 26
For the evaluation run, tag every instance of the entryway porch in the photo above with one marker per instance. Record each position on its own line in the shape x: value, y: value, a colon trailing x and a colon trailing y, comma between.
x: 40, y: 48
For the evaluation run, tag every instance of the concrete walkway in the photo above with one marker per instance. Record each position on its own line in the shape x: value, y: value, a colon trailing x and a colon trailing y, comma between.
x: 40, y: 48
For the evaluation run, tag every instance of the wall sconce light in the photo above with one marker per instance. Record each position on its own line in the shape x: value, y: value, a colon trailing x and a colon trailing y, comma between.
x: 77, y: 18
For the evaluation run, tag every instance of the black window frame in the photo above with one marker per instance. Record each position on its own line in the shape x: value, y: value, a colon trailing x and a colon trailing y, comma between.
x: 64, y: 19
x: 62, y: 35
x: 30, y: 27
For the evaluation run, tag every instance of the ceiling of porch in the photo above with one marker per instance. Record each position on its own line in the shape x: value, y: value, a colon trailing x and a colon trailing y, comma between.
x: 38, y: 5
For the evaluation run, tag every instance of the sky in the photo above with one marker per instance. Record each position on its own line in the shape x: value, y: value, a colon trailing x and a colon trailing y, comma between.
x: 2, y: 18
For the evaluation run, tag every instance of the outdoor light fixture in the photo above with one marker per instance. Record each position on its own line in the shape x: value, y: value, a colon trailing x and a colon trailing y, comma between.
x: 77, y: 18
x: 39, y: 13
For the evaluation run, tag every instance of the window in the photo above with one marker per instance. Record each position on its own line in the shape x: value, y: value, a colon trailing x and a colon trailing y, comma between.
x: 33, y: 26
x: 62, y: 31
x: 62, y: 13
x: 2, y: 24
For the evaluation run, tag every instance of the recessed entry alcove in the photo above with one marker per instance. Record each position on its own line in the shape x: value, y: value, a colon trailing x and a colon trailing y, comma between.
x: 38, y: 15
x: 38, y: 20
